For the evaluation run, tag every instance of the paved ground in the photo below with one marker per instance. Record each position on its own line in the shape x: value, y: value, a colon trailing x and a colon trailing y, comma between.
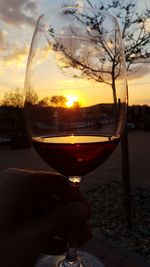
x: 113, y: 256
x: 139, y: 152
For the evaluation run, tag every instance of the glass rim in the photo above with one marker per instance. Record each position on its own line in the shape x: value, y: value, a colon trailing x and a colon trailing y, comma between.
x: 106, y: 14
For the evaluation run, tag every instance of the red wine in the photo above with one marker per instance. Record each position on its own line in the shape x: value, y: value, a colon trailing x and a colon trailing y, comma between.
x: 75, y: 155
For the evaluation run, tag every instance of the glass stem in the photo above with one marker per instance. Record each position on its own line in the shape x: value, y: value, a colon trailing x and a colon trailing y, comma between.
x: 71, y: 255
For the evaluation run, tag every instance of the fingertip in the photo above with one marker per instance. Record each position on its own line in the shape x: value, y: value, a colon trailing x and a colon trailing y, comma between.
x: 54, y: 246
x: 80, y: 212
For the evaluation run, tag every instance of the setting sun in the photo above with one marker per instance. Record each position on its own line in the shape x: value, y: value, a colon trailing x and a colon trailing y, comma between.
x: 71, y: 100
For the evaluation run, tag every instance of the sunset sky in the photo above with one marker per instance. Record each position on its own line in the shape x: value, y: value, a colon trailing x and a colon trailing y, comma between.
x: 17, y: 22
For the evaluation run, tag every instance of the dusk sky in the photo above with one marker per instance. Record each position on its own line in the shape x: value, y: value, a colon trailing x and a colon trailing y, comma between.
x: 17, y: 22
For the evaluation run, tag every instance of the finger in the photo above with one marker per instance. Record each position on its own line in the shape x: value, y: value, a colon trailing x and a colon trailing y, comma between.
x: 32, y: 238
x: 27, y: 194
x: 29, y: 240
x: 84, y: 234
x: 55, y: 246
x: 42, y: 182
x: 77, y: 215
x: 48, y: 183
x: 59, y: 220
x: 20, y: 190
x: 49, y: 189
x: 58, y: 244
x: 14, y: 199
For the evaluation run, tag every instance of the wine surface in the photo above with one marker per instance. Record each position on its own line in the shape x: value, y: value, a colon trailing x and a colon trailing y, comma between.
x: 74, y: 155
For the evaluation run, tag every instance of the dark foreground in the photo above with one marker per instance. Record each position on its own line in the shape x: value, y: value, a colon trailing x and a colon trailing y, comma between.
x: 99, y: 183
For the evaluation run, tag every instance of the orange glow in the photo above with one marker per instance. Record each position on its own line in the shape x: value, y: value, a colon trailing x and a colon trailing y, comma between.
x: 71, y: 100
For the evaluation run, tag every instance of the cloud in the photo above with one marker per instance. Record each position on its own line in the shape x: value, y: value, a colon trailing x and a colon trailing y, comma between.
x: 139, y: 69
x: 31, y: 6
x: 147, y: 25
x: 18, y: 56
x: 18, y: 12
x: 3, y: 42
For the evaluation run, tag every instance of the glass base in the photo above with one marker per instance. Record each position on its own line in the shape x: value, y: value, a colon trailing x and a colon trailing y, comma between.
x: 84, y: 260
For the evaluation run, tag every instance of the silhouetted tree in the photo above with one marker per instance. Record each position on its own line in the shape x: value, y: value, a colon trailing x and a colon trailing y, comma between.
x: 13, y: 98
x: 58, y: 101
x: 45, y: 102
x: 136, y: 35
x: 76, y: 105
x: 31, y: 97
x: 134, y: 27
x: 16, y: 97
x: 94, y: 54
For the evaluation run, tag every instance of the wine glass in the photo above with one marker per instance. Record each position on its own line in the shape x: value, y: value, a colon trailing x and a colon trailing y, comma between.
x: 76, y: 97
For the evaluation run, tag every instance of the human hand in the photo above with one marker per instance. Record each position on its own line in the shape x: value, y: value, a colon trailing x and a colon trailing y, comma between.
x: 37, y: 209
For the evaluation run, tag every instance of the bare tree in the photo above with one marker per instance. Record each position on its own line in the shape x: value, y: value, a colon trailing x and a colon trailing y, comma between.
x: 94, y: 54
x: 135, y: 29
x: 13, y: 98
x: 58, y: 101
x: 31, y: 97
x: 16, y: 97
x: 44, y: 102
x: 85, y: 62
x: 136, y: 35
